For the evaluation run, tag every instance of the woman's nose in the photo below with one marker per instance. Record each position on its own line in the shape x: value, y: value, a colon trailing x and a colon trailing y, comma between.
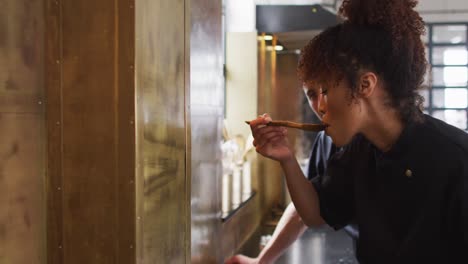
x: 322, y: 104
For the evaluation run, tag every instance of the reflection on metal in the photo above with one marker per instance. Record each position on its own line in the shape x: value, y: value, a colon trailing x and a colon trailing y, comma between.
x: 207, y: 107
x: 161, y: 131
x: 22, y: 139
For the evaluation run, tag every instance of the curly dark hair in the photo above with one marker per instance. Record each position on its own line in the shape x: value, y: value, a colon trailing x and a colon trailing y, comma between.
x: 383, y: 36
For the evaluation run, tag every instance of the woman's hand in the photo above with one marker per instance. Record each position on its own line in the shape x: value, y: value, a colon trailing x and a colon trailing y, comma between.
x: 270, y: 141
x: 241, y: 259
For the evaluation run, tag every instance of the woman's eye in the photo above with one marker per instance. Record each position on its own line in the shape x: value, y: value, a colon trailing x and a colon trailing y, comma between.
x: 312, y: 95
x: 324, y: 92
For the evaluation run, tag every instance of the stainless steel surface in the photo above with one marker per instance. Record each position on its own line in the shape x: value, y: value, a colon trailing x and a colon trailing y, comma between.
x: 22, y: 138
x: 321, y: 245
x: 207, y: 105
x: 161, y: 131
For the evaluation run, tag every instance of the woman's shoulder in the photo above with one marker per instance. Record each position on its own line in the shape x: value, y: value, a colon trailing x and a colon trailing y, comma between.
x: 444, y: 136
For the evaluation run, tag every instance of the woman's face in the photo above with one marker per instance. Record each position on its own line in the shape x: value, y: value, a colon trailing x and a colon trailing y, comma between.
x: 313, y: 95
x: 342, y: 113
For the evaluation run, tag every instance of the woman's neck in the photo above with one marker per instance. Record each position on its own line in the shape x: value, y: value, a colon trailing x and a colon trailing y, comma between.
x: 384, y: 128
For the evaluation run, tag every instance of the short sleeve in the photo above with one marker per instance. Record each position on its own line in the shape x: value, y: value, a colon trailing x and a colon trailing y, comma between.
x: 336, y: 191
x: 312, y: 170
x: 322, y: 149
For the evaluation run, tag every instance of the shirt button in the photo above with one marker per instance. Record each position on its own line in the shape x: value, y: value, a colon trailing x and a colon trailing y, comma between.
x: 408, y: 173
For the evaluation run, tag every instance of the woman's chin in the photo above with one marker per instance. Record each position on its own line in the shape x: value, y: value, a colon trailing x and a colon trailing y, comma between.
x: 338, y: 140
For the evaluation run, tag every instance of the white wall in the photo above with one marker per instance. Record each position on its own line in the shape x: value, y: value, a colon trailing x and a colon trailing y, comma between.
x: 240, y: 15
x: 241, y: 81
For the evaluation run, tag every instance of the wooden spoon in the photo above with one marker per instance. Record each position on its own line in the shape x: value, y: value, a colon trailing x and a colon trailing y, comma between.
x: 303, y: 126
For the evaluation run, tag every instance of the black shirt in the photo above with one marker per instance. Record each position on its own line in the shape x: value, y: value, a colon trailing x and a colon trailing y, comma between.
x: 410, y: 203
x: 322, y: 150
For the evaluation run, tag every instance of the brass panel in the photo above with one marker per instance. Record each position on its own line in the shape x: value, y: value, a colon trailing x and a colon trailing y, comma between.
x: 21, y: 56
x: 207, y: 104
x: 22, y: 140
x: 161, y: 131
x: 269, y: 182
x: 88, y: 125
x: 125, y: 118
x: 54, y: 133
x: 91, y: 216
x: 188, y: 132
x: 278, y: 87
x: 21, y: 189
x: 286, y: 99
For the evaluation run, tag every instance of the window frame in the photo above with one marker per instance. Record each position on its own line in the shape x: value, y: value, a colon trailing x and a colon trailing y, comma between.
x: 430, y: 45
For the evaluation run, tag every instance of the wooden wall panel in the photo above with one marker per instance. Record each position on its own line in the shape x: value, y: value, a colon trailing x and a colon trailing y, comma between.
x: 161, y: 132
x: 22, y: 139
x: 207, y: 107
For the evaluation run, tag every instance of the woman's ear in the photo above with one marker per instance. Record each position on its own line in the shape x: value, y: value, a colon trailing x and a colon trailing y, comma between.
x: 367, y: 84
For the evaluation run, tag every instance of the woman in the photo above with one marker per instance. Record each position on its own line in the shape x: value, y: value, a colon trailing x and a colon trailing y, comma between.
x: 403, y: 175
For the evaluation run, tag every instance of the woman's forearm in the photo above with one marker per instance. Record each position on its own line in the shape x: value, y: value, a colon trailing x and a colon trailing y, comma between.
x: 289, y: 228
x: 302, y: 193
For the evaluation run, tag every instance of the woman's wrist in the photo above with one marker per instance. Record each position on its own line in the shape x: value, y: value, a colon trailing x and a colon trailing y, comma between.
x: 287, y: 161
x: 263, y: 259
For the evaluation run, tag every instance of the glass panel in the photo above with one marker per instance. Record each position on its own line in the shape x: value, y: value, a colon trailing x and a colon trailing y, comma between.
x: 425, y: 93
x: 450, y: 76
x: 450, y: 55
x: 449, y: 34
x: 455, y: 76
x: 438, y: 98
x: 454, y: 117
x: 456, y: 98
x: 450, y: 98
